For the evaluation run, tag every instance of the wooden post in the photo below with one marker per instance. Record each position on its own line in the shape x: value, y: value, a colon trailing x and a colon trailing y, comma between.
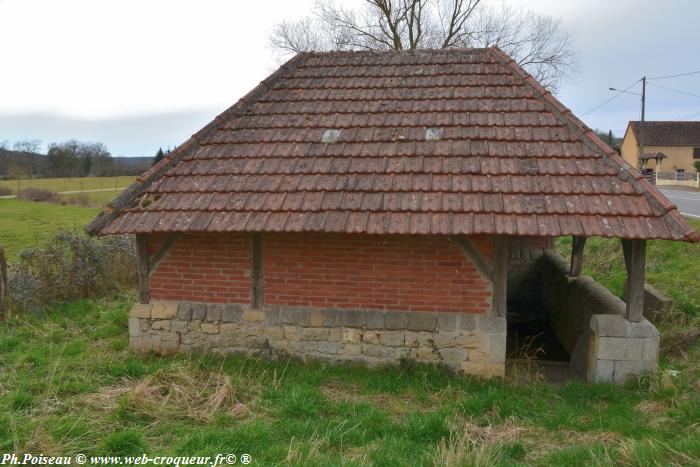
x: 256, y: 270
x: 142, y: 252
x: 577, y: 255
x: 500, y: 275
x: 635, y: 260
x: 4, y: 290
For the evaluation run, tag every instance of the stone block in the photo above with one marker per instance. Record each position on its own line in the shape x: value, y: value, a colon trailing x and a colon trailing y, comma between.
x: 296, y: 316
x: 161, y: 325
x: 335, y: 334
x: 141, y: 310
x: 273, y: 332
x: 254, y: 316
x: 444, y: 339
x: 184, y: 311
x: 420, y: 321
x: 370, y: 337
x: 292, y: 333
x: 332, y: 318
x: 134, y: 327
x: 411, y: 339
x: 627, y: 369
x: 618, y: 326
x: 497, y: 348
x: 484, y: 369
x: 375, y: 319
x: 426, y: 339
x: 316, y: 318
x: 453, y: 355
x: 177, y: 325
x: 194, y: 326
x: 380, y: 351
x: 232, y: 313
x: 351, y: 335
x: 169, y: 342
x: 392, y: 338
x: 468, y: 340
x: 199, y: 311
x: 354, y: 318
x: 618, y: 348
x: 427, y: 354
x: 650, y: 349
x: 209, y: 328
x: 492, y: 324
x: 164, y: 310
x: 601, y: 371
x: 447, y: 321
x: 230, y: 330
x: 394, y: 320
x: 315, y: 334
x: 350, y: 349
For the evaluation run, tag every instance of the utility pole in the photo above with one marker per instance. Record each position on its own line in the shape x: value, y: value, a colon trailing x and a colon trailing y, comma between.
x: 641, y: 125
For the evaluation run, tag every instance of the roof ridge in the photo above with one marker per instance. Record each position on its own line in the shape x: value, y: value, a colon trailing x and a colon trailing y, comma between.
x: 155, y: 173
x: 627, y: 172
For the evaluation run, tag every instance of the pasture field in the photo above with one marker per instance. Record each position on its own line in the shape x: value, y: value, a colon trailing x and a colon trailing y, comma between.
x: 26, y: 223
x: 70, y: 385
x: 70, y: 184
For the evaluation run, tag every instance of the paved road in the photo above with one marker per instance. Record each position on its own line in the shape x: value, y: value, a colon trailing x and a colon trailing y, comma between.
x: 688, y: 202
x: 73, y: 192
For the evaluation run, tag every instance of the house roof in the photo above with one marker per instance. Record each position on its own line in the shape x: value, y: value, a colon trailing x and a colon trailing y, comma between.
x: 652, y: 155
x: 669, y: 133
x: 458, y: 141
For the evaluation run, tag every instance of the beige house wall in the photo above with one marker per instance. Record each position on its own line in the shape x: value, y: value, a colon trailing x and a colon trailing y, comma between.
x: 677, y: 157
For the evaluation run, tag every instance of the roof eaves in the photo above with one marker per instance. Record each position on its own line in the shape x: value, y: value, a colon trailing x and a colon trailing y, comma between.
x: 115, y: 207
x: 674, y: 220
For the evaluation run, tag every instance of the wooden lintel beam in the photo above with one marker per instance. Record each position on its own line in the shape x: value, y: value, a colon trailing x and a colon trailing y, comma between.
x: 163, y: 250
x: 635, y: 262
x: 256, y: 270
x: 142, y: 267
x: 500, y: 275
x: 578, y: 243
x: 472, y: 252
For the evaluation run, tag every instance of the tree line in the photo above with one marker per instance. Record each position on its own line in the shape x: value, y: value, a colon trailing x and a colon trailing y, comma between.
x: 67, y: 159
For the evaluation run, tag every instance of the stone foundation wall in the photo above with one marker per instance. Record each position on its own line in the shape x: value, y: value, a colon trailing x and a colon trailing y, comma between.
x: 471, y: 343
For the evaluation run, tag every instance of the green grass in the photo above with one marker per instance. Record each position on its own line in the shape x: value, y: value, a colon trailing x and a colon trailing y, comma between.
x: 69, y: 385
x: 27, y: 223
x: 70, y: 183
x: 672, y: 267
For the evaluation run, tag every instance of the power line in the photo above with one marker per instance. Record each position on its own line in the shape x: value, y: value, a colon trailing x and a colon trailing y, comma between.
x: 676, y: 76
x: 675, y: 90
x: 619, y: 93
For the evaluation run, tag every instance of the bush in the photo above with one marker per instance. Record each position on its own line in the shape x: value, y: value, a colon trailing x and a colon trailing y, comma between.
x: 71, y: 266
x: 5, y: 191
x: 697, y: 166
x: 38, y: 194
x: 81, y: 199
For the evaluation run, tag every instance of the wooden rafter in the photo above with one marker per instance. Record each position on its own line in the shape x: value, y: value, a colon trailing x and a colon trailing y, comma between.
x: 472, y: 252
x: 163, y: 251
x: 635, y: 262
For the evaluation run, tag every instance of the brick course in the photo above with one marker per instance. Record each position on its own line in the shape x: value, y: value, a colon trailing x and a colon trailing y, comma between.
x: 407, y: 273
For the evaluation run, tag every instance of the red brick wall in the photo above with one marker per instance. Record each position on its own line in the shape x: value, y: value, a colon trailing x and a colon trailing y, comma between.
x: 204, y: 267
x: 416, y: 273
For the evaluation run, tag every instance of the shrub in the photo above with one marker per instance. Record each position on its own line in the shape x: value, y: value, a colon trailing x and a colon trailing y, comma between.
x: 81, y: 199
x: 71, y: 266
x: 38, y: 194
x: 697, y: 166
x: 5, y: 191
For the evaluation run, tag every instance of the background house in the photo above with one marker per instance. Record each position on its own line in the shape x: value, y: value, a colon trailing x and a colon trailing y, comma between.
x: 678, y: 141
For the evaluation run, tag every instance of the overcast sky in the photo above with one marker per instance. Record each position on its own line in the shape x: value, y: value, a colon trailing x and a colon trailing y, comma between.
x: 139, y: 74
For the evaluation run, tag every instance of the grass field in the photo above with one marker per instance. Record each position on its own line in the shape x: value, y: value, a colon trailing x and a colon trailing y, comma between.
x: 26, y: 223
x: 672, y: 267
x: 69, y: 385
x: 70, y: 184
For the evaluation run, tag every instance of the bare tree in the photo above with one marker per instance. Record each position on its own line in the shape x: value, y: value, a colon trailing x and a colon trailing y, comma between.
x: 538, y: 43
x: 30, y: 146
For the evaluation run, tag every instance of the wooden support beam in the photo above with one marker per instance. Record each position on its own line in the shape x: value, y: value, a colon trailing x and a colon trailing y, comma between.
x: 256, y: 270
x: 500, y: 275
x: 4, y: 289
x: 577, y: 255
x: 142, y: 271
x: 162, y: 252
x: 635, y: 262
x: 472, y: 252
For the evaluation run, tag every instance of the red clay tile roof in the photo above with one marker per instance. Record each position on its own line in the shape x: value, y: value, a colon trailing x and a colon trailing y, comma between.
x: 668, y: 133
x: 511, y: 159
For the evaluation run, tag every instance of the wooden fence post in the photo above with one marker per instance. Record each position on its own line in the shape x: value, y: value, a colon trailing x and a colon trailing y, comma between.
x: 4, y: 290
